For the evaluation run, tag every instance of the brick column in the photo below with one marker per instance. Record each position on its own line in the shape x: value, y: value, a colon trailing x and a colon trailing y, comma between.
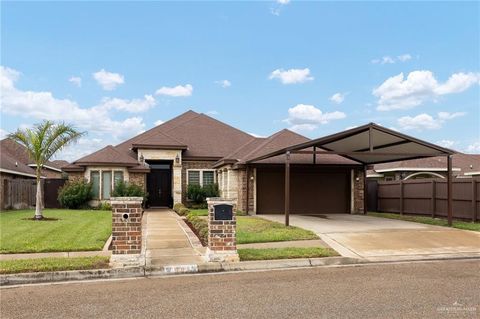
x: 222, y: 241
x: 126, y: 230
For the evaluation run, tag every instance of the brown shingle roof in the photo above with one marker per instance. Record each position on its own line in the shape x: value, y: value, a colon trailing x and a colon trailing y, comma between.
x: 10, y: 164
x: 465, y: 162
x: 107, y: 156
x: 204, y: 136
x: 60, y: 163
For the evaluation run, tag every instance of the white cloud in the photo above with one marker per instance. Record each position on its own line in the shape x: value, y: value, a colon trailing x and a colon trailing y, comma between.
x: 81, y: 148
x: 446, y: 143
x: 158, y: 122
x: 132, y: 106
x: 3, y: 133
x: 398, y: 92
x: 277, y: 8
x: 179, y: 90
x: 391, y: 60
x: 76, y: 81
x: 425, y: 121
x: 338, y: 98
x: 308, y: 117
x: 43, y: 105
x: 256, y: 135
x: 108, y: 80
x: 224, y: 83
x: 292, y: 76
x: 474, y: 147
x: 404, y: 57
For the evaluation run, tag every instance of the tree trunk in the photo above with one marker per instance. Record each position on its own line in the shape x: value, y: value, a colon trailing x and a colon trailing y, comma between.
x: 38, y: 200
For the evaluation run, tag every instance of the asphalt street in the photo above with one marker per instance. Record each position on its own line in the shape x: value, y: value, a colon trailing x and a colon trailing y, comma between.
x: 447, y: 289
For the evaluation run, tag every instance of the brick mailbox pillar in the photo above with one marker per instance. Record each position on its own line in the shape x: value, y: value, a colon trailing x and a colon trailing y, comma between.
x: 222, y: 228
x: 126, y: 230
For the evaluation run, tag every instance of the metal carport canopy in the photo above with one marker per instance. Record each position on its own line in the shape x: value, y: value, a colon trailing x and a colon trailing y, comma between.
x: 366, y: 144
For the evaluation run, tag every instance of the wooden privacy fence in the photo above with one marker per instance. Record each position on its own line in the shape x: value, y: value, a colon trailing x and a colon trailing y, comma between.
x: 429, y: 197
x: 21, y: 193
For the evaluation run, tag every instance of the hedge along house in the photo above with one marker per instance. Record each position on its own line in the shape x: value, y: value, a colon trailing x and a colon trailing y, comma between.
x: 196, y: 149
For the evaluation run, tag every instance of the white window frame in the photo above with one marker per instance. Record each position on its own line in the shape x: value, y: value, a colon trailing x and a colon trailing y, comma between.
x: 100, y: 184
x: 201, y: 170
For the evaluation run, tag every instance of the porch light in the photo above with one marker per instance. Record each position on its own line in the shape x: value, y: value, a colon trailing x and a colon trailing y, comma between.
x: 177, y: 159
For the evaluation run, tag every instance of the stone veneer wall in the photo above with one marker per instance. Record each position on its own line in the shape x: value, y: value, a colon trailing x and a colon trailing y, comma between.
x: 76, y: 176
x: 242, y: 190
x: 358, y: 191
x: 192, y: 165
x: 138, y: 179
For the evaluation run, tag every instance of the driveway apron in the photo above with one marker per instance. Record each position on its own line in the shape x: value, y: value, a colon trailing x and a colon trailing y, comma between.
x: 381, y: 239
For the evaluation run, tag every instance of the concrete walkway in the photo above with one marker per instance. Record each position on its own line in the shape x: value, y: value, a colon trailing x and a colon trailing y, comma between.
x: 167, y: 241
x: 286, y: 244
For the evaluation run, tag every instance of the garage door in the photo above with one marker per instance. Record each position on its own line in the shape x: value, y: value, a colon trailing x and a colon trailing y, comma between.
x: 313, y: 190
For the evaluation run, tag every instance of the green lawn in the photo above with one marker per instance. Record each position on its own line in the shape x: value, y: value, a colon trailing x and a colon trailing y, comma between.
x: 259, y: 230
x: 429, y: 220
x: 199, y: 212
x: 285, y: 253
x: 254, y: 229
x: 52, y: 264
x: 75, y: 230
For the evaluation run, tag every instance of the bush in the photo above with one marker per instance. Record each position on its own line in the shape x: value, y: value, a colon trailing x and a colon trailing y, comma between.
x: 199, y: 194
x: 183, y: 211
x: 105, y: 206
x: 201, y: 227
x: 177, y: 207
x: 123, y: 189
x: 75, y: 194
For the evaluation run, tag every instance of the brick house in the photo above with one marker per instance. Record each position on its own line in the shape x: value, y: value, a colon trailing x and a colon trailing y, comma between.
x: 196, y: 149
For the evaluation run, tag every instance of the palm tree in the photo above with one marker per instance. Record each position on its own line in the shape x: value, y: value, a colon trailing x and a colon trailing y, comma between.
x: 41, y: 142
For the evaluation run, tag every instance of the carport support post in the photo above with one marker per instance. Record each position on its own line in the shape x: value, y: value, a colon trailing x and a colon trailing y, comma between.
x: 449, y: 189
x: 287, y: 188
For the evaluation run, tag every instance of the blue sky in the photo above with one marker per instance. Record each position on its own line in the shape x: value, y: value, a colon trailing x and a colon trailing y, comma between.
x: 114, y: 69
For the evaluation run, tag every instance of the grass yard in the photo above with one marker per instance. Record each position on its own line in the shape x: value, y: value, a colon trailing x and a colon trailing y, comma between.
x: 285, y: 253
x: 199, y: 212
x: 257, y: 230
x: 429, y: 220
x: 52, y: 264
x: 75, y: 230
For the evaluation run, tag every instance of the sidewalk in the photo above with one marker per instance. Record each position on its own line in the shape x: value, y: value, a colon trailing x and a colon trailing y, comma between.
x: 167, y: 242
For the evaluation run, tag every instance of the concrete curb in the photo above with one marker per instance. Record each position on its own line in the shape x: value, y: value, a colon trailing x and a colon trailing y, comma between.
x: 132, y: 272
x: 137, y: 272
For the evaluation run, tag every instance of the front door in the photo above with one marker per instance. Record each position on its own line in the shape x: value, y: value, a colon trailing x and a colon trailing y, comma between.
x: 159, y: 187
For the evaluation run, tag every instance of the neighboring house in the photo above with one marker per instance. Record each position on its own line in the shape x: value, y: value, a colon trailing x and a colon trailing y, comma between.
x: 464, y: 166
x: 196, y: 149
x: 15, y: 164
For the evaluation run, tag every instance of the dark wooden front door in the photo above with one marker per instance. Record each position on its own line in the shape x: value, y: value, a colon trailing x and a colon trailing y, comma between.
x: 159, y: 187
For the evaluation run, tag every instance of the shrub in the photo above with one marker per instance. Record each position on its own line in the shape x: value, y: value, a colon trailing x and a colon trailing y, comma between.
x: 201, y: 227
x: 183, y: 211
x: 199, y: 194
x: 211, y: 190
x: 75, y: 194
x: 105, y: 206
x: 177, y: 207
x: 123, y: 189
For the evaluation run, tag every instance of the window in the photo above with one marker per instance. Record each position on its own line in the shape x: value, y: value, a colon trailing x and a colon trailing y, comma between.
x: 208, y: 178
x: 106, y: 184
x: 117, y: 177
x: 95, y: 180
x: 201, y: 177
x: 193, y: 177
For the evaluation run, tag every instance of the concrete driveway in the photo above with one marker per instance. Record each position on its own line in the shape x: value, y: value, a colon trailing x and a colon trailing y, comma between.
x: 381, y: 239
